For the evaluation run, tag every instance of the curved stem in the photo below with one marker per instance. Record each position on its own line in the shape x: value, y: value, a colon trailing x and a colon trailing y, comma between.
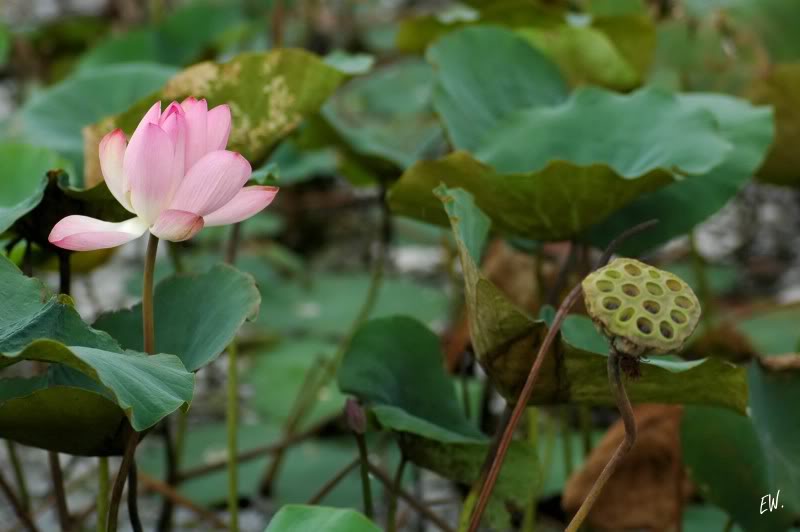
x: 148, y: 333
x: 333, y: 482
x: 498, y: 454
x: 102, y: 494
x: 23, y: 516
x: 232, y: 419
x: 366, y: 489
x: 391, y: 515
x: 133, y: 502
x: 319, y: 377
x: 56, y: 473
x: 625, y: 409
x: 19, y: 476
x: 119, y: 482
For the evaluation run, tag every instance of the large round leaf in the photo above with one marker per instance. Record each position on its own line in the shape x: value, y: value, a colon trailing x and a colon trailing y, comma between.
x: 486, y: 74
x: 684, y: 204
x: 36, y: 325
x: 552, y: 172
x: 54, y: 117
x: 298, y: 517
x: 177, y: 40
x: 388, y: 114
x: 395, y: 366
x: 23, y: 179
x: 196, y: 315
x: 67, y: 419
x: 632, y: 134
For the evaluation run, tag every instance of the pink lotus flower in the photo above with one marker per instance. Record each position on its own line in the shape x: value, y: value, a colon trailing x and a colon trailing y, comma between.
x: 174, y: 175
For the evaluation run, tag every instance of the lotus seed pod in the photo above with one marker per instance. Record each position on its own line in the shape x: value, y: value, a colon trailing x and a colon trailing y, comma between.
x: 641, y: 309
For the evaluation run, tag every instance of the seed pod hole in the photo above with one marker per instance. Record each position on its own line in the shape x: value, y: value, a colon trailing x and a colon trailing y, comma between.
x: 614, y: 274
x: 674, y: 285
x: 654, y: 289
x: 654, y: 274
x: 678, y: 317
x: 604, y: 285
x: 666, y: 330
x: 651, y: 306
x: 683, y: 302
x: 630, y: 289
x: 644, y: 325
x: 633, y: 269
x: 611, y: 303
x: 626, y: 314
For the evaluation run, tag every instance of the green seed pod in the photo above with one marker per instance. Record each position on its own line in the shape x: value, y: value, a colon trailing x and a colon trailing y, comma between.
x: 641, y: 309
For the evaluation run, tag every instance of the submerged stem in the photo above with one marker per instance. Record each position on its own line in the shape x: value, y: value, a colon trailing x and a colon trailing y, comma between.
x: 628, y: 419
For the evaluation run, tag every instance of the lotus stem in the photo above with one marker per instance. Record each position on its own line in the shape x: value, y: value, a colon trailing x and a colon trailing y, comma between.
x: 232, y: 420
x: 103, y: 487
x: 148, y: 334
x: 629, y: 421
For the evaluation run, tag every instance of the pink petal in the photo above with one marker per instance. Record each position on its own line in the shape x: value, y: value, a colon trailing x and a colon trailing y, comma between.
x: 148, y: 165
x: 81, y: 233
x: 175, y: 128
x: 219, y: 128
x: 152, y: 116
x: 172, y: 109
x: 212, y: 182
x: 176, y: 226
x: 246, y: 203
x: 196, y: 122
x: 112, y: 152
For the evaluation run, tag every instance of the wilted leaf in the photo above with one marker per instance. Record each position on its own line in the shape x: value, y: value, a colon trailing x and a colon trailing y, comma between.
x: 585, y: 55
x: 647, y: 491
x: 269, y: 94
x: 781, y: 89
x: 196, y: 333
x: 506, y: 340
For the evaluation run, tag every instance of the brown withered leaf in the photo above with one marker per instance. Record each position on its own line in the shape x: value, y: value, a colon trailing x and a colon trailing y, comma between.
x: 788, y: 362
x: 648, y: 490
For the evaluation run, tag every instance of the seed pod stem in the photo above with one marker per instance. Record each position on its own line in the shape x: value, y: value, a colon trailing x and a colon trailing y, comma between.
x: 629, y: 421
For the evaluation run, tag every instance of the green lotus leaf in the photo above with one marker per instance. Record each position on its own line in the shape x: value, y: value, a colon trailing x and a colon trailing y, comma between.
x: 37, y: 325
